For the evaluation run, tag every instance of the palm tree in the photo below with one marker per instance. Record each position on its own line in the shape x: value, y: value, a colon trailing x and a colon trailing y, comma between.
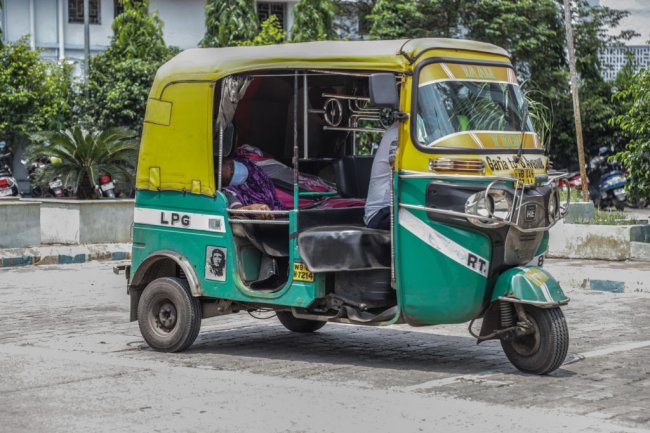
x: 82, y: 156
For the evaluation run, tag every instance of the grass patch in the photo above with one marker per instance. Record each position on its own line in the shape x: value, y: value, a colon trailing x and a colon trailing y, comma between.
x: 576, y: 195
x: 608, y: 218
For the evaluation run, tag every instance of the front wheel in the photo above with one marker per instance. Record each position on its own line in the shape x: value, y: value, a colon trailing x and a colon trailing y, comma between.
x: 168, y: 315
x: 298, y: 325
x: 544, y: 350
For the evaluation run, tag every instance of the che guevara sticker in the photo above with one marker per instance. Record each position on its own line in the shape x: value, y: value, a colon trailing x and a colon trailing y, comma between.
x: 215, y: 263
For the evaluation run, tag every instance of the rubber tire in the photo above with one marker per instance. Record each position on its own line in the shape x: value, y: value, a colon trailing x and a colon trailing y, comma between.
x: 188, y: 315
x: 294, y: 324
x: 619, y: 205
x: 553, y: 342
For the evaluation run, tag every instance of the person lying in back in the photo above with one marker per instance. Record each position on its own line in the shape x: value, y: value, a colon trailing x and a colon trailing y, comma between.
x: 248, y: 187
x: 253, y: 181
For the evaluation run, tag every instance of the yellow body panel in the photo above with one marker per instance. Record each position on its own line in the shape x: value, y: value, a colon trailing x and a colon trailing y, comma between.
x: 178, y: 156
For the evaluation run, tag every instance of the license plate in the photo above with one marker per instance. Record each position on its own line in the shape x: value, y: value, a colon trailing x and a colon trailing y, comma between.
x: 6, y: 192
x: 56, y: 184
x: 526, y: 175
x: 302, y: 273
x: 107, y: 186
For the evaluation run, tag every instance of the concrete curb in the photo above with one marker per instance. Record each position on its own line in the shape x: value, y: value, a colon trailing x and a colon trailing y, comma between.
x: 63, y: 254
x: 600, y: 242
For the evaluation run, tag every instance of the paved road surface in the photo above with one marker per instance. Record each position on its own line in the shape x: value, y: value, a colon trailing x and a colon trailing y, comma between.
x: 70, y: 362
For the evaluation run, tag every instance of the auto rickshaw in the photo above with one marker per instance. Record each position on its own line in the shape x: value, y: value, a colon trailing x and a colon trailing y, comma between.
x: 471, y: 197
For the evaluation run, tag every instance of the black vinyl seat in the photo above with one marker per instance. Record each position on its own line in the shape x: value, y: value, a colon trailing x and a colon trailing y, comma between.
x: 353, y: 175
x: 344, y: 248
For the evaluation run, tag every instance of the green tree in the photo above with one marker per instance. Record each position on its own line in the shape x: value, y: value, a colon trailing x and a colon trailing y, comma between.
x: 120, y: 78
x: 314, y: 21
x: 415, y: 19
x: 395, y: 20
x: 83, y: 156
x: 34, y: 95
x: 634, y: 122
x: 270, y: 34
x: 229, y: 22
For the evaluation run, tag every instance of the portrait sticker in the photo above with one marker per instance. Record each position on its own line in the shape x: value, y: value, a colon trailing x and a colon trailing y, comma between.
x: 215, y: 263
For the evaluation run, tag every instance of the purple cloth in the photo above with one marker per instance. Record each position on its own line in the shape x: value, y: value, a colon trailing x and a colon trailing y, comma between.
x: 258, y: 187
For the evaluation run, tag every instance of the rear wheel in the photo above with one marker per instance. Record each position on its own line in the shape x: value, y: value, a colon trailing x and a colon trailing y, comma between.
x: 298, y: 325
x: 168, y: 315
x: 544, y: 350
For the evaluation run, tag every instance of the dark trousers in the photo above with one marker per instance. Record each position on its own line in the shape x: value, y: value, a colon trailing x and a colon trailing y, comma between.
x: 381, y: 220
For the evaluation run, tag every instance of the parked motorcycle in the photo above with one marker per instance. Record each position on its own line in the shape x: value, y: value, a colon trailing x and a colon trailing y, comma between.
x: 106, y: 187
x: 572, y: 181
x: 607, y: 183
x: 52, y: 188
x: 8, y: 184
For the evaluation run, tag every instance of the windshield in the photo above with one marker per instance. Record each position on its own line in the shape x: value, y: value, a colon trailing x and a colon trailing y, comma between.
x: 451, y: 106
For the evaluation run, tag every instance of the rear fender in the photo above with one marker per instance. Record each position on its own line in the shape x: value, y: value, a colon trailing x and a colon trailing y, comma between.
x: 529, y: 285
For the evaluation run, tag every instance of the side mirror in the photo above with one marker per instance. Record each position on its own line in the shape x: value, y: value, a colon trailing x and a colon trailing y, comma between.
x: 383, y: 91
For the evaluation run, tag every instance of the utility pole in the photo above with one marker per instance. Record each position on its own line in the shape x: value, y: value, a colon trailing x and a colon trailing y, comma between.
x: 576, y: 99
x: 86, y: 39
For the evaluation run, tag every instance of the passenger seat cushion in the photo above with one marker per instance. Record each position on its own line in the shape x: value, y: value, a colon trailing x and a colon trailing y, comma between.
x: 353, y: 175
x: 344, y: 248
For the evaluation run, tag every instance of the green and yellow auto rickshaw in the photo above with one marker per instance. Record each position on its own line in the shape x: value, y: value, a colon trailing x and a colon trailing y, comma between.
x: 471, y: 199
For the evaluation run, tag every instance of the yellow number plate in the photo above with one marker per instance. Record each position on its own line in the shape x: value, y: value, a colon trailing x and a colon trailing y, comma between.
x: 527, y: 175
x: 302, y: 273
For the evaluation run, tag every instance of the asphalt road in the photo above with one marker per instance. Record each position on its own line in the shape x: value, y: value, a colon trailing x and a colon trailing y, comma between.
x: 71, y: 362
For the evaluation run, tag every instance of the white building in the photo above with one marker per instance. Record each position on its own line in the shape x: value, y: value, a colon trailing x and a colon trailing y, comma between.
x: 613, y: 59
x: 57, y: 26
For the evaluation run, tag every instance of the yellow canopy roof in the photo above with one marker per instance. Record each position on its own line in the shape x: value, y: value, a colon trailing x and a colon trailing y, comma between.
x: 393, y: 55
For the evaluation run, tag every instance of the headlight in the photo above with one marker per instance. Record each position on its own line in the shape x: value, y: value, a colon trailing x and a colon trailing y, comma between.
x: 497, y: 204
x: 502, y: 204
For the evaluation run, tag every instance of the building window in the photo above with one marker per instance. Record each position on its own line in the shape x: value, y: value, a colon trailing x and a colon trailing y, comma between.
x: 266, y: 9
x: 76, y: 11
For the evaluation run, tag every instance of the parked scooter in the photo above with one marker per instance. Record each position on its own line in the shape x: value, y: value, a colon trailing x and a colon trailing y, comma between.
x: 572, y: 181
x: 8, y: 184
x: 51, y: 188
x: 106, y: 187
x: 607, y: 183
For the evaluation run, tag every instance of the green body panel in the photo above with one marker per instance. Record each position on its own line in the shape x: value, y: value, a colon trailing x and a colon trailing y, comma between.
x: 192, y: 244
x: 529, y: 284
x: 432, y: 287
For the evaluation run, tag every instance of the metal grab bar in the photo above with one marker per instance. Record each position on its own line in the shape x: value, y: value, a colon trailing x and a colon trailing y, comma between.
x: 502, y: 222
x: 268, y: 222
x: 255, y: 212
x: 407, y: 174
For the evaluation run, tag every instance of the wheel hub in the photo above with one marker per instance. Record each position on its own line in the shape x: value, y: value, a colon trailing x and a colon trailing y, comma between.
x: 166, y: 317
x: 527, y: 345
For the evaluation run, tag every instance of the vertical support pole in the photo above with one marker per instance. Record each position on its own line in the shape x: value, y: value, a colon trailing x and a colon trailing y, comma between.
x: 86, y: 39
x: 305, y: 153
x: 296, y: 149
x: 576, y: 98
x: 32, y: 25
x: 220, y: 168
x: 59, y: 20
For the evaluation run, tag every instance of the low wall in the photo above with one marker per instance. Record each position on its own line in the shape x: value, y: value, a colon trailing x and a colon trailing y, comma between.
x: 20, y: 224
x: 601, y: 242
x: 86, y: 221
